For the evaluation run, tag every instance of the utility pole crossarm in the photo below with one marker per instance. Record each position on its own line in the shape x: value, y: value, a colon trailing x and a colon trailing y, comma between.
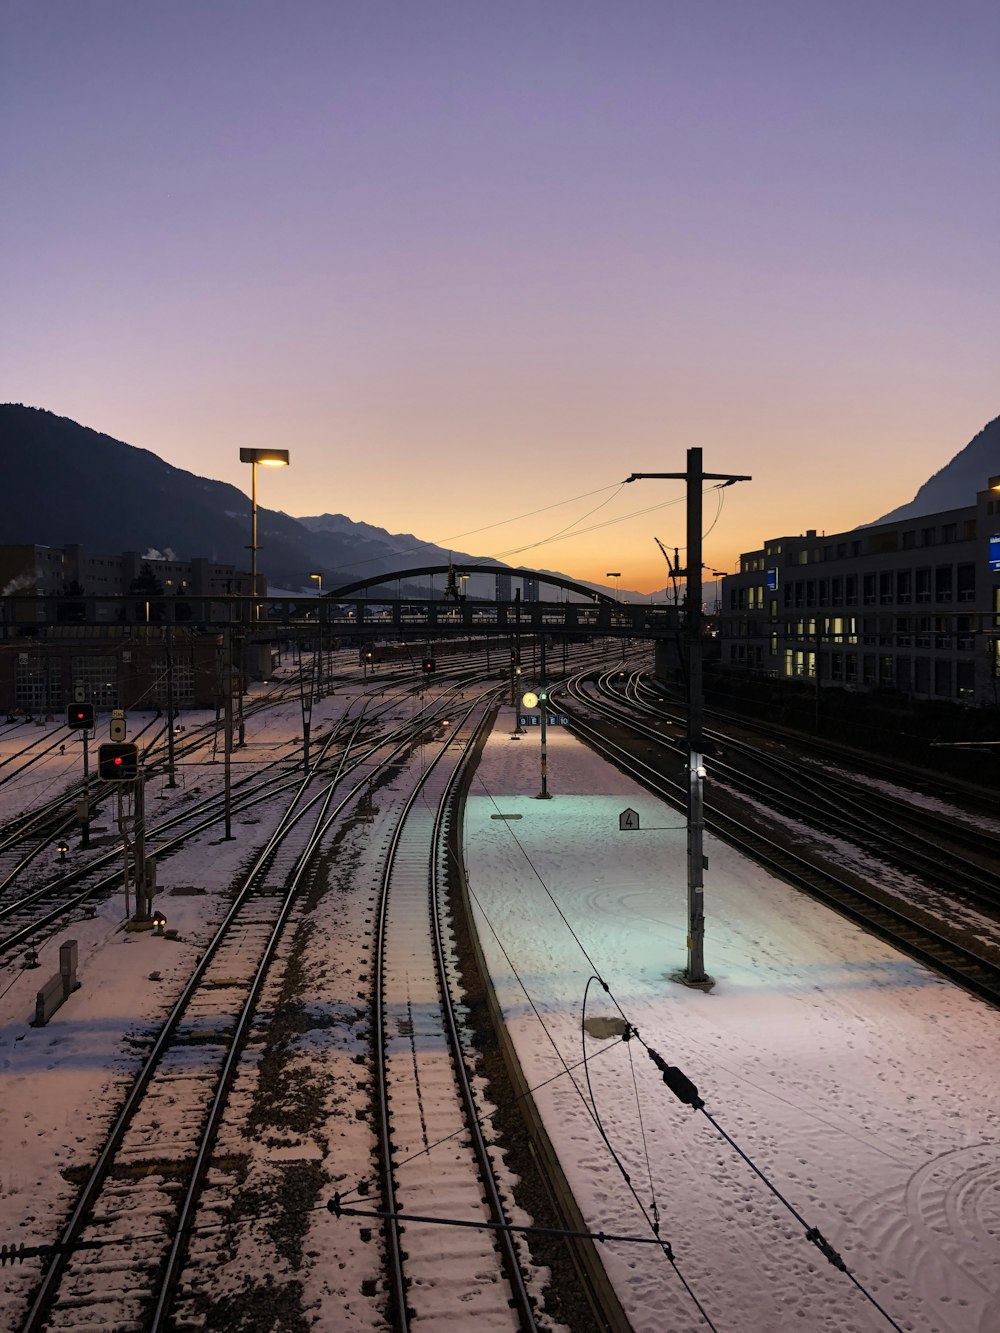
x: 727, y: 477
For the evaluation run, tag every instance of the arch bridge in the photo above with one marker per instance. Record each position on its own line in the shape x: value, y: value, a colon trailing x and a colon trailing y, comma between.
x: 365, y: 609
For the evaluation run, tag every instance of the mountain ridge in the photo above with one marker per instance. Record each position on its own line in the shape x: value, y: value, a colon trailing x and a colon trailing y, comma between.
x: 955, y: 485
x: 110, y: 496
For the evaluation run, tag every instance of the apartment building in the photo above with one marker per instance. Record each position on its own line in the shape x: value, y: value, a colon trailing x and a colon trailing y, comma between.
x: 912, y: 606
x: 53, y: 571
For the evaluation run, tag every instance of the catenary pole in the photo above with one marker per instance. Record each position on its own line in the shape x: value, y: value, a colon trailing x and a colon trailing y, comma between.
x: 694, y: 477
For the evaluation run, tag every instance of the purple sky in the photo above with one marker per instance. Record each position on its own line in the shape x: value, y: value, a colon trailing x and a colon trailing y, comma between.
x: 469, y: 259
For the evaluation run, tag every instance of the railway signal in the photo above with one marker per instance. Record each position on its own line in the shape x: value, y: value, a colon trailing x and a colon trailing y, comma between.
x: 429, y: 665
x: 80, y: 716
x: 118, y: 763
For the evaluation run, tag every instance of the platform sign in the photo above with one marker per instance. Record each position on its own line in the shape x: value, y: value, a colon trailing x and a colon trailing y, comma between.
x: 628, y: 820
x: 529, y: 720
x: 551, y: 719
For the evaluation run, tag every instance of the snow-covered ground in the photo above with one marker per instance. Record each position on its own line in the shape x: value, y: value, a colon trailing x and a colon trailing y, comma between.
x: 863, y: 1086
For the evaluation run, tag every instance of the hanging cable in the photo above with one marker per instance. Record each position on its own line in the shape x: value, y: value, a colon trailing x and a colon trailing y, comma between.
x: 678, y: 1083
x: 685, y: 1091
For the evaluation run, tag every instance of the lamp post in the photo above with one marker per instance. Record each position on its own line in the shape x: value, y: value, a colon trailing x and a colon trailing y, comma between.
x: 613, y: 574
x: 269, y: 458
x: 319, y: 624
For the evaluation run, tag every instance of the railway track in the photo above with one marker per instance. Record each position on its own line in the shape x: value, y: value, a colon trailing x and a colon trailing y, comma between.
x: 972, y: 967
x: 435, y: 1160
x: 149, y: 1175
x: 27, y: 912
x: 911, y: 838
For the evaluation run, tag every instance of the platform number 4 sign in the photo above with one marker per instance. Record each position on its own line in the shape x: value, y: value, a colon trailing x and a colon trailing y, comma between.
x: 628, y: 819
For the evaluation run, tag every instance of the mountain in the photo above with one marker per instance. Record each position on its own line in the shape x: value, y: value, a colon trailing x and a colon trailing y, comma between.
x: 955, y: 486
x: 65, y: 483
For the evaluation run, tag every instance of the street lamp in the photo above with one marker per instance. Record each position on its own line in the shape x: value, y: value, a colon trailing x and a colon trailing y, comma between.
x: 269, y: 458
x: 614, y: 574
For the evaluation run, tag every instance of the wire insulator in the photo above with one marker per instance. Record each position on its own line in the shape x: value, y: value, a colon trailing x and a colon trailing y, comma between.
x: 677, y: 1081
x: 825, y: 1248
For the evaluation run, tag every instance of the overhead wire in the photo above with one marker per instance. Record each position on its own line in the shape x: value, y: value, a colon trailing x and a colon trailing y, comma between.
x: 681, y: 1086
x: 652, y: 1222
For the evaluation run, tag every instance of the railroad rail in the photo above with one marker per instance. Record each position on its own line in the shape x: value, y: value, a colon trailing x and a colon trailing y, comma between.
x: 975, y: 969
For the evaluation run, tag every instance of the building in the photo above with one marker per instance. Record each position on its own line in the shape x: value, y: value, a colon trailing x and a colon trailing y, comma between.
x: 51, y: 571
x: 113, y: 667
x: 912, y: 605
x: 56, y: 648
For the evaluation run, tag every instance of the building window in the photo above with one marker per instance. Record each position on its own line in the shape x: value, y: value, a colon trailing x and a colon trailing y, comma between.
x: 885, y: 587
x: 37, y: 683
x: 904, y: 585
x: 942, y: 679
x: 851, y: 590
x: 966, y: 578
x: 904, y: 674
x: 965, y: 679
x: 850, y: 668
x: 98, y: 678
x: 927, y: 536
x: 943, y: 583
x: 183, y: 683
x: 868, y: 669
x: 868, y: 585
x: 923, y: 584
x: 949, y: 533
x: 909, y: 539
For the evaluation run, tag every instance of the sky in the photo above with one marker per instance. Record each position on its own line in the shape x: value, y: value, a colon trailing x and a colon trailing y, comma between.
x: 474, y: 264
